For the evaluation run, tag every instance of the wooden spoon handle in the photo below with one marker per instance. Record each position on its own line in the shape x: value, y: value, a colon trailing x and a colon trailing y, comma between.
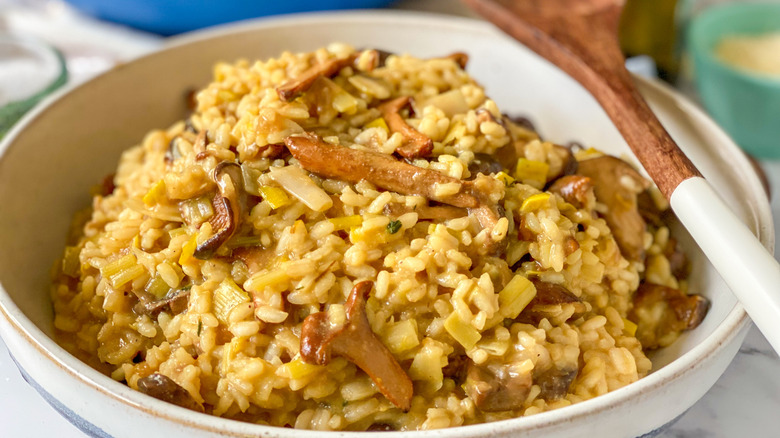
x: 585, y: 47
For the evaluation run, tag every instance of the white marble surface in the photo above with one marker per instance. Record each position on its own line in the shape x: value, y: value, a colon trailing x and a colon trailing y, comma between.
x: 745, y: 402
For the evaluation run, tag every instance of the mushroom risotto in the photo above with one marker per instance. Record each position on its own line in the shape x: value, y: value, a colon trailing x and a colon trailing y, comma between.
x: 359, y: 240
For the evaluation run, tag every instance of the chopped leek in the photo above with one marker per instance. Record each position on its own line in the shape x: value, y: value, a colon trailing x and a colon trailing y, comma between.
x: 535, y: 202
x: 297, y: 369
x: 157, y: 287
x: 629, y: 327
x: 297, y: 183
x: 227, y: 296
x: 188, y: 250
x: 505, y: 178
x: 155, y: 194
x: 346, y: 222
x: 531, y: 170
x: 122, y: 270
x: 402, y: 336
x: 71, y: 264
x: 378, y: 123
x: 250, y: 177
x: 243, y: 241
x: 461, y: 331
x: 515, y: 296
x: 195, y: 211
x: 258, y: 282
x: 275, y: 196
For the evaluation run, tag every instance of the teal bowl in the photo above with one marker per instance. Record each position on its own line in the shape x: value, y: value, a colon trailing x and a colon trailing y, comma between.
x: 745, y: 104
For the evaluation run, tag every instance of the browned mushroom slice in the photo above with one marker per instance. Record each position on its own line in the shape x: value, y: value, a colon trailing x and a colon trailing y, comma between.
x: 661, y: 313
x: 255, y: 258
x: 415, y: 144
x: 357, y: 343
x: 459, y: 58
x: 436, y: 213
x: 616, y: 184
x: 385, y: 172
x: 549, y: 297
x: 295, y: 87
x: 574, y: 189
x: 678, y: 262
x: 164, y: 388
x: 555, y: 382
x: 648, y: 209
x: 227, y: 208
x: 377, y: 58
x: 485, y: 164
x: 497, y: 387
x: 352, y: 165
x: 175, y: 302
x: 381, y: 427
x: 569, y: 164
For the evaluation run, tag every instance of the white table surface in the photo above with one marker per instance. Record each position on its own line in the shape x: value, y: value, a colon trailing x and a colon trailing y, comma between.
x: 745, y: 401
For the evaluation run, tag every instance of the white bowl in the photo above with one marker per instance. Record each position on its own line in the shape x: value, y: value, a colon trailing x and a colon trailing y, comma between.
x: 52, y: 158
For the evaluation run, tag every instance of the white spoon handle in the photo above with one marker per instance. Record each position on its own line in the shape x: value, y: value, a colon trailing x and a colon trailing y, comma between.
x: 750, y: 271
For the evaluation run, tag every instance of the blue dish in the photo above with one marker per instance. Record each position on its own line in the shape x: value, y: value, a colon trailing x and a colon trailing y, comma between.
x: 168, y: 17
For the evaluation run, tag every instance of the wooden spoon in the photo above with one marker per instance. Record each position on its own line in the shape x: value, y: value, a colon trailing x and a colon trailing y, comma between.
x: 580, y: 37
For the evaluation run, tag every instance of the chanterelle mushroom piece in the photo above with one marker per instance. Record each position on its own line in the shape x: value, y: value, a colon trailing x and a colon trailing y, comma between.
x: 295, y: 87
x: 164, y: 388
x: 352, y: 165
x: 661, y: 313
x: 415, y: 143
x: 227, y: 208
x: 574, y: 189
x: 460, y: 58
x: 548, y: 297
x: 357, y: 343
x: 616, y: 184
x: 497, y: 387
x: 384, y: 171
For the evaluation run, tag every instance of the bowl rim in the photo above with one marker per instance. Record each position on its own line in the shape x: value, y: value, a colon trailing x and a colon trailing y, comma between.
x: 705, y: 52
x: 733, y: 324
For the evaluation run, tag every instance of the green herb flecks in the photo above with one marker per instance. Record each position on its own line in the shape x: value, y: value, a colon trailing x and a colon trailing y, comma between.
x: 393, y: 227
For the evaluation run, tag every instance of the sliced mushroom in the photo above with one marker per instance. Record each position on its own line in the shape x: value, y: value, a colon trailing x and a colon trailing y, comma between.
x: 457, y: 368
x: 227, y: 208
x: 357, y: 343
x: 383, y: 171
x: 678, y: 262
x: 436, y: 213
x: 569, y: 164
x: 555, y: 382
x: 497, y: 387
x: 485, y: 164
x: 174, y: 303
x: 352, y: 165
x: 381, y: 427
x: 415, y: 144
x: 546, y: 304
x: 459, y: 58
x: 295, y: 87
x: 255, y: 258
x: 661, y: 313
x: 648, y: 209
x: 574, y: 189
x: 164, y: 388
x: 377, y: 57
x: 616, y: 184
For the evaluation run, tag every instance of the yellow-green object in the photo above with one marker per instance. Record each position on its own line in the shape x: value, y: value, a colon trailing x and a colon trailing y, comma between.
x: 648, y: 27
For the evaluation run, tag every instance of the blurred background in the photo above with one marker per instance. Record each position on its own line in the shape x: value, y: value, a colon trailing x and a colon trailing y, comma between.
x: 723, y: 54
